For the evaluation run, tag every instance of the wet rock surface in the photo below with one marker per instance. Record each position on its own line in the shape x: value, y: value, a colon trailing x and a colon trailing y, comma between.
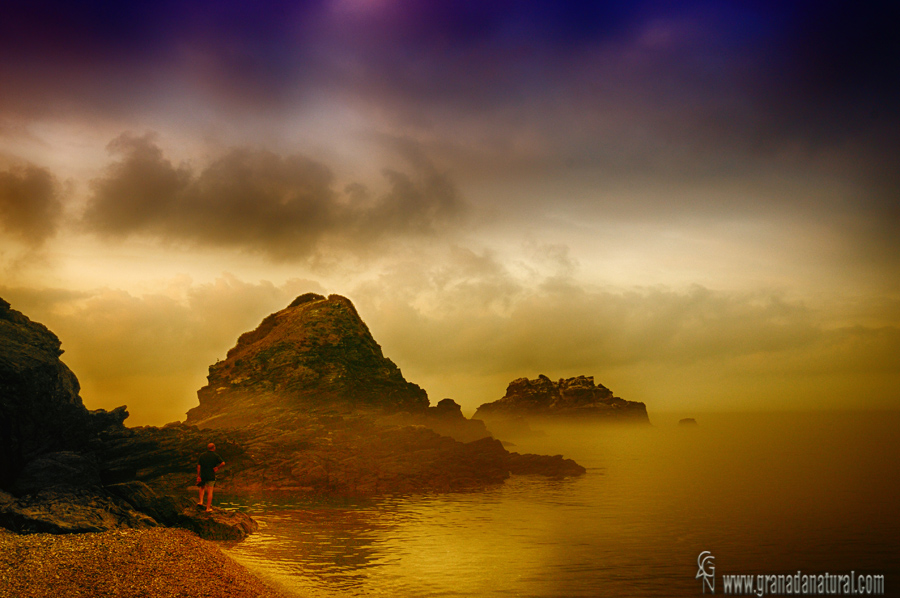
x: 573, y: 399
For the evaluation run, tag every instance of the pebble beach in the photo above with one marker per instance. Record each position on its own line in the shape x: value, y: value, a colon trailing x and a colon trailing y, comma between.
x: 148, y: 563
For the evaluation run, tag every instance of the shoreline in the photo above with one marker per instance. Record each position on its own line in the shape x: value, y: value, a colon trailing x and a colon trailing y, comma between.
x: 125, y: 563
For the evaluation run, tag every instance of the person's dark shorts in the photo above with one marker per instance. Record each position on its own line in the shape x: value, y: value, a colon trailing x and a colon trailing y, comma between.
x: 207, y: 484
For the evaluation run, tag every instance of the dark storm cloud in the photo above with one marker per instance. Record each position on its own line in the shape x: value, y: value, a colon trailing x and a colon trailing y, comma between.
x: 678, y: 94
x: 30, y: 209
x: 283, y: 206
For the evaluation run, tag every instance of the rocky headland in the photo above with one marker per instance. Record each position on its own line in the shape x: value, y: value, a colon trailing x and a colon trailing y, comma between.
x: 304, y: 405
x: 54, y: 473
x: 569, y: 400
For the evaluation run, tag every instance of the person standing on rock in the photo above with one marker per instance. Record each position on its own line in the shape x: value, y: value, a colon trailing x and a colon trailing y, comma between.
x: 207, y: 466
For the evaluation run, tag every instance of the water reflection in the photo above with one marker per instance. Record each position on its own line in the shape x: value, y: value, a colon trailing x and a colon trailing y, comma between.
x: 765, y: 495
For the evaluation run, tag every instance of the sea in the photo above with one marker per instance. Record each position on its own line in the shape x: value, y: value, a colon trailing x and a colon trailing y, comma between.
x: 754, y: 493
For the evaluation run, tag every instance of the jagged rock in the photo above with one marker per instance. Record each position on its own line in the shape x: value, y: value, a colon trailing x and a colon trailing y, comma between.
x: 182, y: 511
x: 163, y: 508
x: 315, y: 353
x: 578, y: 399
x: 40, y: 408
x: 150, y: 453
x: 67, y: 509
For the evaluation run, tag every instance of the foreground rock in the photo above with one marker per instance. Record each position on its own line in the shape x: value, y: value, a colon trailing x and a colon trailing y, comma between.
x: 40, y: 408
x: 576, y: 399
x: 54, y: 474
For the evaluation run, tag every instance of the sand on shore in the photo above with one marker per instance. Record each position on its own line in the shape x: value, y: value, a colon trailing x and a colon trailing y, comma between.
x: 151, y: 563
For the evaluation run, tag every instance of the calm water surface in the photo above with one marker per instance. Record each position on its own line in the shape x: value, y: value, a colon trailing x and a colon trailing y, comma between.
x: 772, y: 493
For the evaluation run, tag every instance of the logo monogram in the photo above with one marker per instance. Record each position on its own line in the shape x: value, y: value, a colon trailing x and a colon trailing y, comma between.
x: 707, y: 570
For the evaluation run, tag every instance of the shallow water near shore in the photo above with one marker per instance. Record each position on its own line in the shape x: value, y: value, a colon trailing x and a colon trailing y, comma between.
x: 764, y: 493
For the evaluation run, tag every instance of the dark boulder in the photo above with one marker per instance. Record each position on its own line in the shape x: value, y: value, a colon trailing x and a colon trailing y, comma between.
x: 182, y: 511
x: 66, y: 510
x: 63, y: 468
x: 217, y: 524
x: 163, y: 508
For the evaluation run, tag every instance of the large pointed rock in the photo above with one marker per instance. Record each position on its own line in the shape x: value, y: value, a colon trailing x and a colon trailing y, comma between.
x: 317, y: 353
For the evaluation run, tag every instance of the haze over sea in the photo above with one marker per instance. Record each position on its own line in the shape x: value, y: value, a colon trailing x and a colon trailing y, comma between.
x: 765, y: 493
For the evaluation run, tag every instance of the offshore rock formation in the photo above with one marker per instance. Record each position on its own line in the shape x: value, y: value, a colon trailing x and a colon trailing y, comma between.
x: 54, y: 477
x: 315, y: 353
x: 571, y: 399
x: 317, y: 409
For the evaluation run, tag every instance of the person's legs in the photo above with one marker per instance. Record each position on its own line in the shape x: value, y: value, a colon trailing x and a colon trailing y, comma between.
x: 209, y: 493
x: 200, y: 502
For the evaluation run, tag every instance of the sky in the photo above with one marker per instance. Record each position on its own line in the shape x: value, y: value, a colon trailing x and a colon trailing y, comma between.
x: 697, y: 203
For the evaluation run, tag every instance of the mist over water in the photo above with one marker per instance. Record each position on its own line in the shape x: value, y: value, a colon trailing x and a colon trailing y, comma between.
x: 764, y: 493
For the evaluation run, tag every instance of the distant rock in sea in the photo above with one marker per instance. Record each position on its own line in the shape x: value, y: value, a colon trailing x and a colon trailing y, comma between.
x: 570, y: 399
x: 687, y: 422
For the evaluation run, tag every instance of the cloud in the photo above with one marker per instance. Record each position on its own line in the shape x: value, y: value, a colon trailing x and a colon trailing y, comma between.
x: 469, y: 326
x: 151, y: 351
x: 30, y: 208
x: 284, y: 207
